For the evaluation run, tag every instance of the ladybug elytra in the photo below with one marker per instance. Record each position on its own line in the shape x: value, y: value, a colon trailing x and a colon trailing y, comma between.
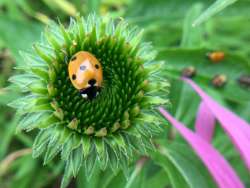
x: 85, y: 73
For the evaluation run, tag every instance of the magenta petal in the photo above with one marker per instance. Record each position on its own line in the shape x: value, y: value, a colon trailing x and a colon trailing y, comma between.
x: 205, y: 122
x: 219, y: 168
x: 237, y: 129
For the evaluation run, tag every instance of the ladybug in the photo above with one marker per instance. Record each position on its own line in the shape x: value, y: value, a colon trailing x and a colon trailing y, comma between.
x: 188, y: 72
x: 244, y: 80
x: 85, y: 73
x: 219, y: 80
x: 216, y: 57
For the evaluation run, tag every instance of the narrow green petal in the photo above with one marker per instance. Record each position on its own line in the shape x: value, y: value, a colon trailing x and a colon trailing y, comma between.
x: 68, y: 174
x: 40, y: 143
x: 76, y: 158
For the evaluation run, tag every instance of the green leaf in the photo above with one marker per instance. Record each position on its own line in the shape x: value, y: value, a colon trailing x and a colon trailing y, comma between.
x: 27, y: 167
x: 189, y: 166
x: 215, y: 8
x: 156, y: 179
x: 233, y: 66
x: 9, y: 94
x: 28, y: 32
x: 7, y: 135
x: 192, y: 37
x: 175, y: 94
x: 175, y: 178
x: 93, y: 6
x: 183, y: 107
x: 63, y: 5
x: 115, y: 181
x: 181, y: 159
x: 222, y: 32
x: 155, y: 11
x: 136, y: 172
x: 147, y: 175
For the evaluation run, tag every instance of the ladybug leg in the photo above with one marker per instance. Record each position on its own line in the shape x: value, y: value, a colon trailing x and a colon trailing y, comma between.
x: 83, y: 94
x: 98, y: 89
x: 91, y: 92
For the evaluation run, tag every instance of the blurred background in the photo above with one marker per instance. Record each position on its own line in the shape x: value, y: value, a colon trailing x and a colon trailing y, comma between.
x: 168, y: 25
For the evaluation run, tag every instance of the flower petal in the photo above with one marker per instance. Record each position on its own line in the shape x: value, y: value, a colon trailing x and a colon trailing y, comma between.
x: 205, y: 122
x: 219, y: 168
x: 237, y: 129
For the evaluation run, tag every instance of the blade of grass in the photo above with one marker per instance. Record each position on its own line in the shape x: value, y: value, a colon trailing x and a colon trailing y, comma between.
x: 139, y: 165
x: 216, y: 7
x: 191, y: 36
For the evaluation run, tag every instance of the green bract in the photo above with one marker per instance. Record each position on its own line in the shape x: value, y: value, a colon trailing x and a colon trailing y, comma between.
x: 108, y: 129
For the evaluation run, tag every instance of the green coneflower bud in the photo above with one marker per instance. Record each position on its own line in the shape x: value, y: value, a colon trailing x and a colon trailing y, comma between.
x: 108, y: 129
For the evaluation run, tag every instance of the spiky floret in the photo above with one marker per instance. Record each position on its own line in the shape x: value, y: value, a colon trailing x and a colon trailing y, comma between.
x: 119, y: 121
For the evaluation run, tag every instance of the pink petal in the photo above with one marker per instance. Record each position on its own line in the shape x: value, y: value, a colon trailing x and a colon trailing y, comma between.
x: 205, y: 122
x: 237, y: 129
x: 221, y: 171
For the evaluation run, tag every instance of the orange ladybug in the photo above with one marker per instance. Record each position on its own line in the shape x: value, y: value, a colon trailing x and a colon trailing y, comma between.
x: 85, y: 73
x: 216, y: 57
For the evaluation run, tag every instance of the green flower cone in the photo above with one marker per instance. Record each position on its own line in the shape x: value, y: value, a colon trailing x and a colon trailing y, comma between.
x: 108, y: 130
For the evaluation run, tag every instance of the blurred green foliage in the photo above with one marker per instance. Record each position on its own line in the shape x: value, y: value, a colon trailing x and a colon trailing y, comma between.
x: 168, y: 24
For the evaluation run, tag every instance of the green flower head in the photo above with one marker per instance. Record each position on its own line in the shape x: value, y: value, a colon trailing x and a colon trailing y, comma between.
x: 104, y: 131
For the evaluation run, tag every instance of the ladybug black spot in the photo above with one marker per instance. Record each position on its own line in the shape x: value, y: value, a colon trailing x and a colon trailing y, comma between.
x: 96, y: 66
x: 73, y: 76
x: 73, y: 58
